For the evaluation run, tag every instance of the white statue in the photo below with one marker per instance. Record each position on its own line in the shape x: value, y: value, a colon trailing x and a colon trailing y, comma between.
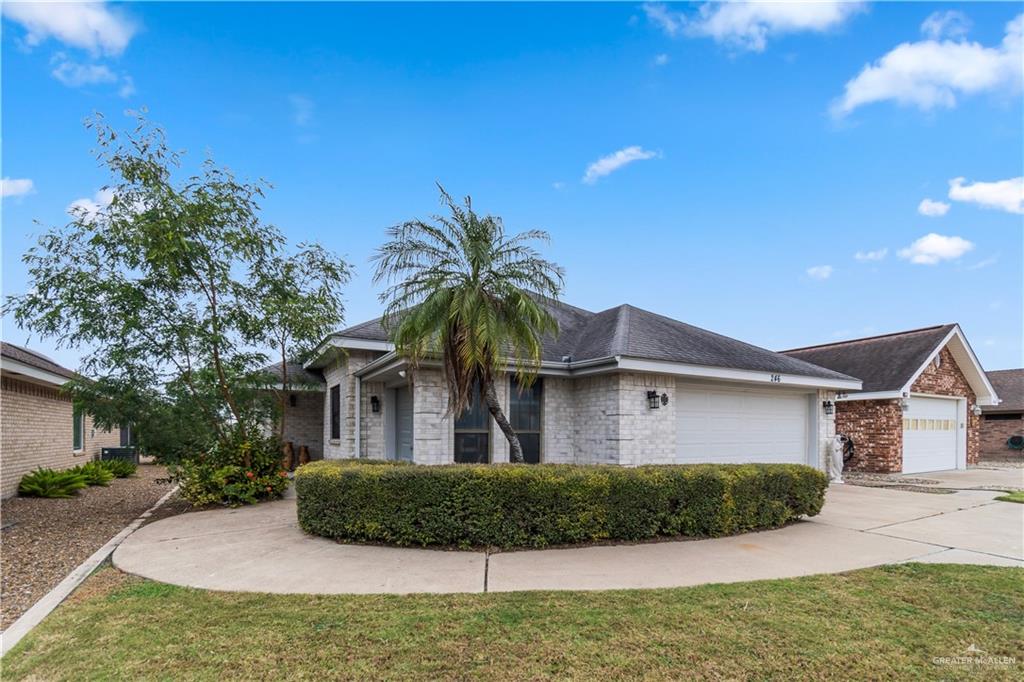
x: 835, y: 459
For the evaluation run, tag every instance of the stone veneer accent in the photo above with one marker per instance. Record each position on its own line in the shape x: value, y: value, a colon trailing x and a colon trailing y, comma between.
x: 36, y: 431
x: 876, y: 426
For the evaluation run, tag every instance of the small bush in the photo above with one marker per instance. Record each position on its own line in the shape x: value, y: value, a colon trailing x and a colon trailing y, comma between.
x: 50, y: 483
x: 222, y: 475
x: 95, y: 473
x: 121, y: 468
x: 554, y: 504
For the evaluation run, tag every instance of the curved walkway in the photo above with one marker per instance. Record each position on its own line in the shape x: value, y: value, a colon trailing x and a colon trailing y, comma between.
x: 261, y: 549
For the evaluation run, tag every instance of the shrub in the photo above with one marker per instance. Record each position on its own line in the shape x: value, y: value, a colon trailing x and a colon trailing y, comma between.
x: 553, y: 504
x: 121, y: 468
x: 222, y: 476
x: 94, y: 473
x: 50, y: 483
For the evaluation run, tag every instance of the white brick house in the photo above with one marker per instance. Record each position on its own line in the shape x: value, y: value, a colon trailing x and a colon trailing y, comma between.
x: 623, y: 386
x: 39, y: 426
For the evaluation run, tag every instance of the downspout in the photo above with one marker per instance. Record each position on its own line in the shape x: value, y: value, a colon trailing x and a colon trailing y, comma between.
x: 359, y: 409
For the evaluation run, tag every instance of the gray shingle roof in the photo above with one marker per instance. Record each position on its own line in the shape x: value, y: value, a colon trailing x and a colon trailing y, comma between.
x: 883, y: 363
x: 34, y: 359
x: 1009, y: 386
x: 631, y: 332
x: 297, y: 375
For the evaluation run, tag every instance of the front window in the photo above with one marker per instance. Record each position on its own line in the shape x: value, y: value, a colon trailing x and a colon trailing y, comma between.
x: 472, y: 435
x: 336, y: 412
x: 524, y: 415
x: 78, y: 430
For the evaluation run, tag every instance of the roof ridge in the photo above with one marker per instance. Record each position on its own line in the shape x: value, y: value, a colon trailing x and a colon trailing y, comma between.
x: 620, y: 342
x: 871, y: 338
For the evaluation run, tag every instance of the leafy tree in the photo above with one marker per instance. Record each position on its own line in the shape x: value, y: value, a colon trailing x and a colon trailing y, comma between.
x: 299, y: 305
x: 165, y: 285
x: 461, y: 289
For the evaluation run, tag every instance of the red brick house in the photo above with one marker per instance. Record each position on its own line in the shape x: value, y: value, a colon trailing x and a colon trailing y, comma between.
x: 39, y: 425
x: 921, y: 402
x: 1000, y: 422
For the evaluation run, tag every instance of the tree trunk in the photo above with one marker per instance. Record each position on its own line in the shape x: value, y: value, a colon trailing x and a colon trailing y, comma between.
x: 515, y: 450
x: 284, y: 392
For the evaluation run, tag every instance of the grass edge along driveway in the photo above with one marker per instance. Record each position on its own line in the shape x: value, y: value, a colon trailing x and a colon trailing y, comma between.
x: 892, y: 621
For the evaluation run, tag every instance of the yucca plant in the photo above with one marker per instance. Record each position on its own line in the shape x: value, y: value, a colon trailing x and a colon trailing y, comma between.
x: 95, y: 473
x: 53, y: 484
x: 120, y: 468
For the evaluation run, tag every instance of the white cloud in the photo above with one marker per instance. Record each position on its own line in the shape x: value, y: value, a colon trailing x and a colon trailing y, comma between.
x: 16, y: 187
x: 948, y: 24
x: 931, y: 73
x: 1004, y: 195
x: 90, y: 208
x: 933, y: 209
x: 661, y: 59
x: 748, y: 24
x: 819, y: 272
x: 878, y: 254
x: 127, y: 88
x: 76, y: 75
x: 934, y: 248
x: 88, y: 25
x: 302, y: 109
x: 983, y: 263
x: 613, y: 162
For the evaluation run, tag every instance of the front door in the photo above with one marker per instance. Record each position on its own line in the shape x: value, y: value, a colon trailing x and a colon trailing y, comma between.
x: 403, y: 424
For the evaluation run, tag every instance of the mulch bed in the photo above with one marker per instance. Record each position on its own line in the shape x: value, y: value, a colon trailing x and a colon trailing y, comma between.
x: 44, y: 540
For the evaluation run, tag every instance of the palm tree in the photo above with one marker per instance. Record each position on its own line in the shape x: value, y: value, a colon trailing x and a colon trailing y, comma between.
x: 461, y: 289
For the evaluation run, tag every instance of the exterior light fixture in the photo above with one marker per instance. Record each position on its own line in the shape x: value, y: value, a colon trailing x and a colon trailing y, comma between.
x: 976, y: 410
x: 829, y: 407
x: 401, y: 373
x: 653, y: 400
x: 905, y: 404
x: 374, y: 404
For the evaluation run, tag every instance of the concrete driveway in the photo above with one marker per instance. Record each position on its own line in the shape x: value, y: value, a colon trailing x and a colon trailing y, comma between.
x: 261, y: 549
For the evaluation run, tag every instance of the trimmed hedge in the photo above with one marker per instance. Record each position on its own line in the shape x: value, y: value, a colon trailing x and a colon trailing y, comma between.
x: 550, y: 504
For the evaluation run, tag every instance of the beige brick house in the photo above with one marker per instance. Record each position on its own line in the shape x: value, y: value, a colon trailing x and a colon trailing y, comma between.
x: 39, y: 426
x: 921, y: 402
x: 1001, y: 422
x: 622, y: 386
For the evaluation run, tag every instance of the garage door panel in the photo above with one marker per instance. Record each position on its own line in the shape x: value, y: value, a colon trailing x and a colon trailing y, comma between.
x: 930, y: 435
x: 736, y: 425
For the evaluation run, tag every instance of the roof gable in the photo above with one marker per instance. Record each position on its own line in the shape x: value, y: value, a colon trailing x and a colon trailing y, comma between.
x: 1009, y: 385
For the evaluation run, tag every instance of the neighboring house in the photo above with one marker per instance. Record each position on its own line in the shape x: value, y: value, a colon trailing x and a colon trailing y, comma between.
x: 39, y: 427
x: 920, y: 404
x: 623, y: 386
x: 1000, y: 422
x: 304, y: 407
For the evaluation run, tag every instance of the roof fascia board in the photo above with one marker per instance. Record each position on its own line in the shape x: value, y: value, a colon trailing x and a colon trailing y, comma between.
x: 873, y: 395
x: 732, y: 374
x: 990, y: 398
x: 344, y: 342
x: 45, y: 376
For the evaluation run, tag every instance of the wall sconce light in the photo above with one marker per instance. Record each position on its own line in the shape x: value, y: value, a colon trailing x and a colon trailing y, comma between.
x: 653, y: 400
x: 905, y: 404
x: 374, y: 404
x: 401, y: 373
x: 293, y: 400
x: 976, y: 410
x: 829, y: 407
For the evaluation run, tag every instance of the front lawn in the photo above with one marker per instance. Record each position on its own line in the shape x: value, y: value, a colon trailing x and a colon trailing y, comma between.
x: 1017, y: 496
x: 888, y: 622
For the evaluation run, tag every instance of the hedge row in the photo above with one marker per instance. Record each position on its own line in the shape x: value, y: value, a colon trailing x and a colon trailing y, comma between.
x: 553, y: 504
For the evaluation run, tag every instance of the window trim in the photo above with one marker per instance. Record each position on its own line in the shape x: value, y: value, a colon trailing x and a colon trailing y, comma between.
x: 513, y: 386
x: 78, y: 420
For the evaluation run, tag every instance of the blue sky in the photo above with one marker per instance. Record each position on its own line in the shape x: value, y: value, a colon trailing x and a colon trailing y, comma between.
x: 739, y: 158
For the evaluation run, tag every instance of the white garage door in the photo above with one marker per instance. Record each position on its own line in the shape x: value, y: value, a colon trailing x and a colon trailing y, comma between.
x: 929, y: 435
x: 728, y: 425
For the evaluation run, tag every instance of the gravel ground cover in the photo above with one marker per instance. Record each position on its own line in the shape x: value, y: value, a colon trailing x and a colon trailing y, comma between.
x: 44, y: 540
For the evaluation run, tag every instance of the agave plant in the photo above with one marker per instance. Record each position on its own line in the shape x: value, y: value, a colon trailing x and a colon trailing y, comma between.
x: 54, y: 484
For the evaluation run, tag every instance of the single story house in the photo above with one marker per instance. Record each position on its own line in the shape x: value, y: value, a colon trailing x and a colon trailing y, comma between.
x: 304, y: 406
x: 1000, y: 422
x: 921, y: 402
x: 39, y: 426
x: 622, y: 386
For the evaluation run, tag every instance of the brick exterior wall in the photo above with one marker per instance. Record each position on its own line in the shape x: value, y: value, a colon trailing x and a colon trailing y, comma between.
x: 876, y: 426
x: 994, y: 434
x: 304, y: 423
x: 947, y: 379
x: 36, y: 427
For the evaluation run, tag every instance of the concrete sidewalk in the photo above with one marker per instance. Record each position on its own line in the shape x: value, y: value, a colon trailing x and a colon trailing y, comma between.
x: 261, y: 549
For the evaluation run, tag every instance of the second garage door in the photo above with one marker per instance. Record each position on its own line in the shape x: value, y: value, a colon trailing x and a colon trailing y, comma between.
x: 738, y: 425
x: 929, y: 435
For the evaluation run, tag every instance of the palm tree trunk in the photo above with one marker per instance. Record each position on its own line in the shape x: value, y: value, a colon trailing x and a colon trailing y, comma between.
x: 515, y: 450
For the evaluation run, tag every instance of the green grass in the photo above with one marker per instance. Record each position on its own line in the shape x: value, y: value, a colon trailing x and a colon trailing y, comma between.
x: 877, y: 623
x: 1013, y: 497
